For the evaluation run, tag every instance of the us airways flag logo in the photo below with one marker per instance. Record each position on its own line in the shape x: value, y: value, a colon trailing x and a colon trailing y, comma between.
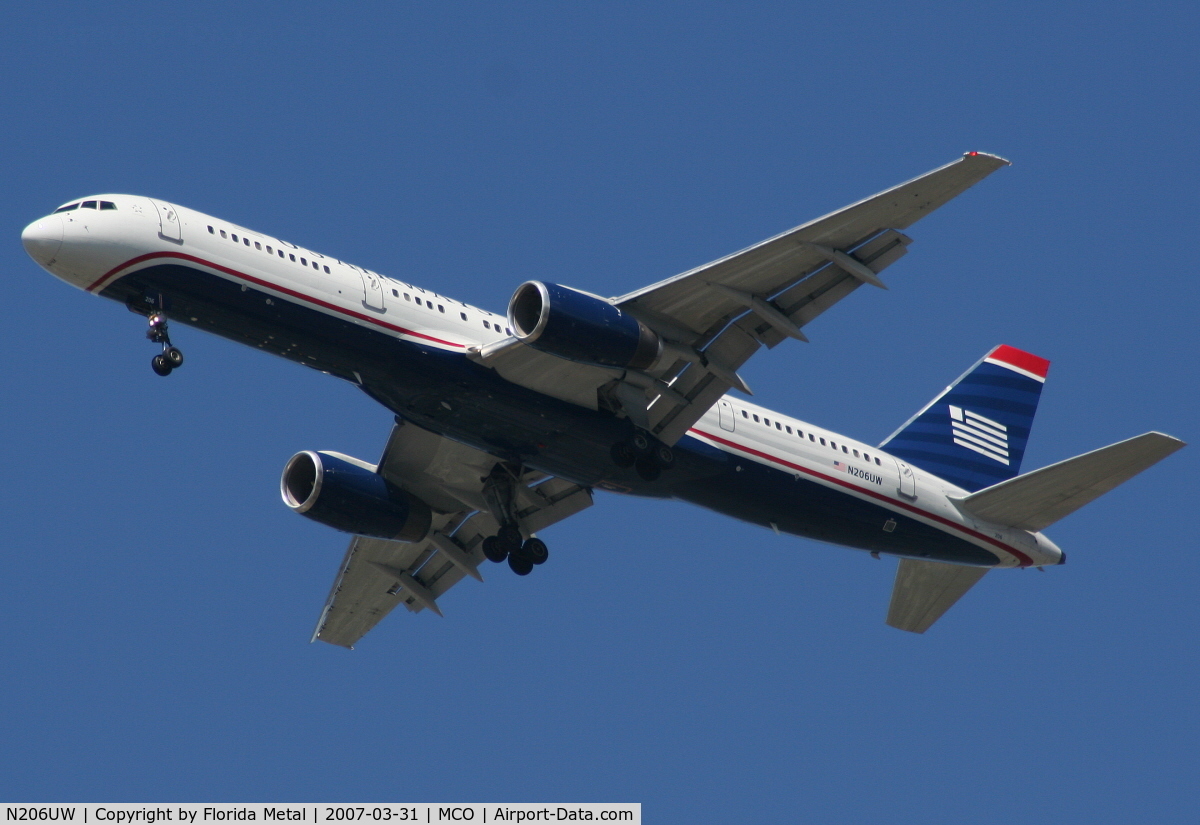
x: 983, y: 435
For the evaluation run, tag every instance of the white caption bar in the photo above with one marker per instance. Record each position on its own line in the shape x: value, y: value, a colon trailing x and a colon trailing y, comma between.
x: 395, y: 813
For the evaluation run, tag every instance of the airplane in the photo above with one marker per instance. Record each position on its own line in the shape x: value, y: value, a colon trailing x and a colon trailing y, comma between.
x: 507, y: 424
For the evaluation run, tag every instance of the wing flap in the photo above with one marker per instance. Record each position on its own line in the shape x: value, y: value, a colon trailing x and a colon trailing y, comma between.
x: 924, y: 590
x: 1036, y: 500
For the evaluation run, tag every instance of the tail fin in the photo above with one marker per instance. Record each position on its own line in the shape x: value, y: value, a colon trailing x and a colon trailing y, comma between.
x: 974, y: 433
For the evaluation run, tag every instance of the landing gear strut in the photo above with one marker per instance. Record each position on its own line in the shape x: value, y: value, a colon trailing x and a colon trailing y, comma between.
x: 170, y: 358
x: 499, y: 490
x: 644, y: 453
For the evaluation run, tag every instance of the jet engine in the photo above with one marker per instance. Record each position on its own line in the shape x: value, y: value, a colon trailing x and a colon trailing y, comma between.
x: 579, y: 327
x: 349, y: 495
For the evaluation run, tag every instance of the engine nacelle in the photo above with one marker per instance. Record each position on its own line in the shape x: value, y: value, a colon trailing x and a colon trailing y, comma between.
x: 580, y: 327
x: 339, y: 492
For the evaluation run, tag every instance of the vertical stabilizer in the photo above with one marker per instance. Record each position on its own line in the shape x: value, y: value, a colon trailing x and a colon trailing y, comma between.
x: 974, y: 433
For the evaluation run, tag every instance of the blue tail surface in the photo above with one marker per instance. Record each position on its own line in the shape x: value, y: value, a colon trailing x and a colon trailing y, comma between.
x: 974, y: 433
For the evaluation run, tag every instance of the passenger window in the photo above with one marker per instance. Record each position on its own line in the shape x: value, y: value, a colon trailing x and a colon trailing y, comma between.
x: 281, y: 253
x: 88, y: 205
x: 822, y: 442
x: 831, y: 444
x: 789, y: 429
x: 303, y: 262
x: 767, y: 421
x: 258, y: 246
x: 486, y: 325
x: 223, y: 235
x: 107, y: 205
x: 441, y: 308
x: 877, y: 460
x: 845, y: 450
x: 395, y: 292
x: 316, y: 266
x: 867, y: 457
x: 856, y: 453
x: 246, y: 241
x: 745, y: 414
x: 812, y: 437
x: 778, y: 427
x: 270, y: 251
x: 756, y: 418
x: 406, y: 297
x: 67, y: 208
x: 327, y: 272
x: 234, y: 237
x: 292, y: 256
x: 429, y: 304
x: 463, y: 315
x: 211, y: 231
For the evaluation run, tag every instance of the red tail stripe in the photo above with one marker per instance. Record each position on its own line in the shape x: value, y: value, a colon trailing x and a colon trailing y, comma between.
x: 1021, y: 360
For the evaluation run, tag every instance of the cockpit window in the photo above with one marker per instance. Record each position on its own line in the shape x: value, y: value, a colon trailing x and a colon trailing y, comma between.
x: 67, y: 208
x: 107, y: 205
x: 88, y: 205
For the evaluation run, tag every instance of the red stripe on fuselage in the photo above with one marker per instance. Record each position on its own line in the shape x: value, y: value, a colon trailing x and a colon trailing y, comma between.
x: 95, y: 286
x: 1024, y: 559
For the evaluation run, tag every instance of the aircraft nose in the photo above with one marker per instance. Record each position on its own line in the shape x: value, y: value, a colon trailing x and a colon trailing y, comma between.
x: 42, y: 238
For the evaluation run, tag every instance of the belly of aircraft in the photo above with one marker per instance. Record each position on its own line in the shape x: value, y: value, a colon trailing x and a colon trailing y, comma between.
x: 446, y: 392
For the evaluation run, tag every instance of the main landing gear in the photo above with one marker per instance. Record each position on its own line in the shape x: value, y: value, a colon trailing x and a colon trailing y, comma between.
x: 170, y: 358
x: 521, y: 555
x: 500, y: 493
x: 644, y: 453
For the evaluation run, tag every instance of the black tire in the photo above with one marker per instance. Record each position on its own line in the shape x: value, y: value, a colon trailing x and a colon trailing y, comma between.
x: 493, y: 550
x: 640, y: 442
x: 535, y: 551
x: 173, y: 357
x: 623, y: 454
x: 665, y: 456
x: 648, y: 468
x: 160, y: 365
x: 509, y: 538
x: 520, y: 566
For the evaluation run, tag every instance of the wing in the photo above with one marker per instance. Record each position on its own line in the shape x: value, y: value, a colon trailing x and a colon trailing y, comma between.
x: 376, y: 575
x: 713, y: 318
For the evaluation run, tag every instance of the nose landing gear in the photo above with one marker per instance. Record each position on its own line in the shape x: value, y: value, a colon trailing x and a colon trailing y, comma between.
x: 170, y: 358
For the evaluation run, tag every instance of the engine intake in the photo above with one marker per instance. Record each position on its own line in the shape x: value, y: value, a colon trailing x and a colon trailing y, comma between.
x: 339, y: 492
x: 580, y: 327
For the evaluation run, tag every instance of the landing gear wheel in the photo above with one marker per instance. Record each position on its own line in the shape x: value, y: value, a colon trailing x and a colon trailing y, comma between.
x: 665, y: 456
x: 173, y: 356
x: 493, y: 550
x: 648, y: 468
x: 640, y: 442
x: 520, y: 566
x: 509, y: 538
x: 535, y: 551
x: 623, y: 454
x: 160, y: 365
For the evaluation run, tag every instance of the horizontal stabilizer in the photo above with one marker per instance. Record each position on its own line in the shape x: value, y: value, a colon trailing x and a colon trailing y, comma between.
x: 1036, y: 500
x: 924, y: 590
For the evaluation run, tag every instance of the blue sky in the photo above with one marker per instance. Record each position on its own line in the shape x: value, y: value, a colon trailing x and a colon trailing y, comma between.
x: 157, y: 597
